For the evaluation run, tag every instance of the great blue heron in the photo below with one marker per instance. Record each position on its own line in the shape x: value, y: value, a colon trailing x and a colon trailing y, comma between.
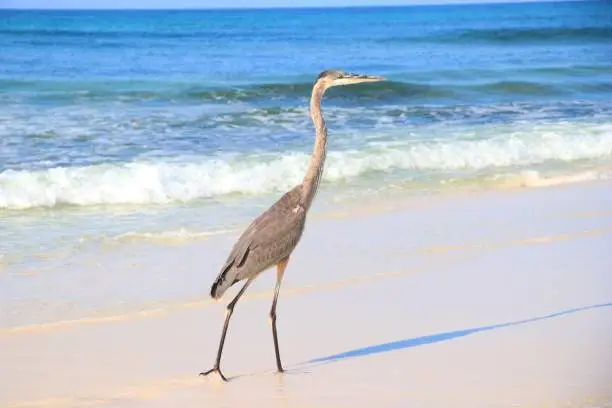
x: 271, y: 237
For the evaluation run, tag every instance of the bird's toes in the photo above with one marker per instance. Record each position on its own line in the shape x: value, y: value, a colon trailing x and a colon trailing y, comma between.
x: 214, y: 370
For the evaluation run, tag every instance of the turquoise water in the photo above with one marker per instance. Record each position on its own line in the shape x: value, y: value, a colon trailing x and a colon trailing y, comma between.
x: 163, y: 122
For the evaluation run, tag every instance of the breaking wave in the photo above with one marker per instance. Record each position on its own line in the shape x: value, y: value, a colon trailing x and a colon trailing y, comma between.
x: 161, y: 181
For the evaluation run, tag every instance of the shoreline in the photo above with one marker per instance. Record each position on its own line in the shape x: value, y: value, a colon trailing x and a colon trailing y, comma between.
x: 132, y: 251
x: 167, y: 308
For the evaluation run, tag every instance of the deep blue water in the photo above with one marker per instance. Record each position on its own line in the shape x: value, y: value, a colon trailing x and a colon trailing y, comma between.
x: 94, y: 87
x: 209, y: 108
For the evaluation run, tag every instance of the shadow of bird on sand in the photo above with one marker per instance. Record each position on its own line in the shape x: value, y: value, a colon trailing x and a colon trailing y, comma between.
x: 306, y: 366
x: 440, y: 337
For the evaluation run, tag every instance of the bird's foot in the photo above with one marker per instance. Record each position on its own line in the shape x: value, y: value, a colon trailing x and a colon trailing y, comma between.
x: 214, y: 370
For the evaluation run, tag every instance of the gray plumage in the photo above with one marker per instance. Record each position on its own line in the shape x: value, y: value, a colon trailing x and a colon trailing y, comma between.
x: 271, y: 237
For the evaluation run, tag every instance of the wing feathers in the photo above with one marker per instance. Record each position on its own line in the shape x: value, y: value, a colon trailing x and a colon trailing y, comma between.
x: 270, y: 236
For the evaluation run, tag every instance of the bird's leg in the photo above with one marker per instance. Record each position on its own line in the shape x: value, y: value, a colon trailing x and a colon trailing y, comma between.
x: 228, y: 314
x: 280, y: 271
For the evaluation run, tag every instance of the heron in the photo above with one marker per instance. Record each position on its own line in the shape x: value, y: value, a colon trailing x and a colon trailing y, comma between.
x: 272, y: 236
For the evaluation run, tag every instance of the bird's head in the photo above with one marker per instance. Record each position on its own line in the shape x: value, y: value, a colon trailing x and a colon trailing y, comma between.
x: 337, y: 78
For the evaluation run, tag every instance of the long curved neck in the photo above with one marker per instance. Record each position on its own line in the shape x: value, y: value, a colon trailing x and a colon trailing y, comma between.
x: 317, y: 160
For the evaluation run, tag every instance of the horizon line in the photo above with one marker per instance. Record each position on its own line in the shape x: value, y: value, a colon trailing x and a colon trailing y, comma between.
x: 422, y: 3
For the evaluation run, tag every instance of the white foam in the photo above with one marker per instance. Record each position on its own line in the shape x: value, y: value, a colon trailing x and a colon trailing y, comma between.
x: 486, y: 147
x: 532, y: 178
x: 174, y: 236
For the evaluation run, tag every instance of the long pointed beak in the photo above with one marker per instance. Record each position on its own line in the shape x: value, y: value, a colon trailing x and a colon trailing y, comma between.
x: 371, y: 78
x: 349, y: 79
x: 364, y: 78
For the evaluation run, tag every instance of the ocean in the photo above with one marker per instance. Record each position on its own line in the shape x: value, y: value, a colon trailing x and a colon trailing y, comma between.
x: 155, y: 126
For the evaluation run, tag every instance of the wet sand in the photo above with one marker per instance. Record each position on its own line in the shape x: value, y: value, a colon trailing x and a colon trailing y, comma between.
x: 496, y: 299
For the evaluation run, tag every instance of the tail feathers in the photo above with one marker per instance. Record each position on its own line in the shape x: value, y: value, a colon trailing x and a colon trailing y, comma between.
x: 232, y: 271
x: 223, y: 282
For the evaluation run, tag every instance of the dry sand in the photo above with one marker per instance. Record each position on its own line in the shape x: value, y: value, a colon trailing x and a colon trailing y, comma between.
x: 499, y: 299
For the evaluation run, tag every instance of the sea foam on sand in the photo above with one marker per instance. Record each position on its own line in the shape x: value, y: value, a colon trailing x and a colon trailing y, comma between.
x: 499, y: 299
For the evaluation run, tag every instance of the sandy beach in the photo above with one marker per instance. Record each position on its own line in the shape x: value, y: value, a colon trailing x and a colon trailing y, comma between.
x: 492, y: 299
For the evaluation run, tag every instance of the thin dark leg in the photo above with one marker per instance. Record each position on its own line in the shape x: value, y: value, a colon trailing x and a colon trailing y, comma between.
x: 228, y: 314
x: 280, y: 271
